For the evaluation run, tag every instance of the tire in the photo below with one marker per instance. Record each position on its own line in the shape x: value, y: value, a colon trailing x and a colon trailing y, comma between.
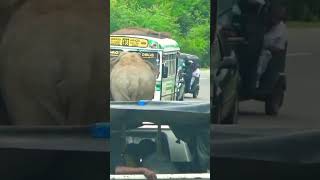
x: 195, y: 93
x: 274, y: 102
x: 232, y: 117
x: 180, y: 94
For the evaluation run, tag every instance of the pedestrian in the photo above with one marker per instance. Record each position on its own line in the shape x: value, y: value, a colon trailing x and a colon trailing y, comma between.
x: 195, y: 73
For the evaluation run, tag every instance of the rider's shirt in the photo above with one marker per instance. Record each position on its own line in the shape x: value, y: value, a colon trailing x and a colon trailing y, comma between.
x: 196, y: 73
x: 277, y: 37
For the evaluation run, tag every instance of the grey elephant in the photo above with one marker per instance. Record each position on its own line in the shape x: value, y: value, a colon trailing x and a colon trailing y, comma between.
x: 52, y: 61
x: 132, y: 78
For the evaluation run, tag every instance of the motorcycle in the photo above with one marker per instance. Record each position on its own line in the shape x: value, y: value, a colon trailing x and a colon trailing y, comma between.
x: 180, y: 86
x: 195, y: 88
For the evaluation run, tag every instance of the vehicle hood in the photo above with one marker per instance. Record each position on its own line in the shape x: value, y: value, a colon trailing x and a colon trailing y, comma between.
x: 280, y: 145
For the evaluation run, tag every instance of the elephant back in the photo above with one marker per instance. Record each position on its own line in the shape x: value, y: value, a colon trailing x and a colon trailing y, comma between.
x: 141, y: 32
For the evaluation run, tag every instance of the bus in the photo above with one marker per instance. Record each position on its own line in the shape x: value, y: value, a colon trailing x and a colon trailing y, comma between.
x: 161, y: 52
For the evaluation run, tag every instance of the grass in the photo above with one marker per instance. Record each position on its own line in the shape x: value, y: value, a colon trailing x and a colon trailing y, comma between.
x: 301, y: 24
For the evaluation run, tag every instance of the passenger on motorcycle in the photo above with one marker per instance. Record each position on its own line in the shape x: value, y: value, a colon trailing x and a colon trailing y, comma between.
x: 194, y: 66
x: 274, y: 40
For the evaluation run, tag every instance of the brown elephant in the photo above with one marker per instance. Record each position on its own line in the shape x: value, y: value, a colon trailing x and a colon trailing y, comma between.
x: 132, y: 78
x: 52, y: 55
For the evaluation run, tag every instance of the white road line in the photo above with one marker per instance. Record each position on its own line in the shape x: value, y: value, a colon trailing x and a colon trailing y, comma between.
x: 299, y: 54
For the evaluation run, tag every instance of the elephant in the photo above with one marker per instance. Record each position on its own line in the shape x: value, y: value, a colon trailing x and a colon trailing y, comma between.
x: 132, y: 78
x: 52, y: 52
x: 52, y: 61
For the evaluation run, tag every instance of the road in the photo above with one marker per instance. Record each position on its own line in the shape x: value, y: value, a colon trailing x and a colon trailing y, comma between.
x: 204, y: 93
x: 301, y: 107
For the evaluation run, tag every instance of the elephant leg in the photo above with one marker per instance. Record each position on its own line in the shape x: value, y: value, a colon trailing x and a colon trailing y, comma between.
x: 98, y: 99
x: 85, y: 84
x: 148, y: 90
x: 119, y: 94
x: 27, y: 109
x: 48, y: 95
x: 131, y: 86
x: 48, y: 64
x: 119, y: 86
x: 77, y: 101
x: 30, y: 97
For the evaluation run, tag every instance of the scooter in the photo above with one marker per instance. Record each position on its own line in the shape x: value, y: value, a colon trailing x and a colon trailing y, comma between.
x: 195, y: 88
x: 181, y: 86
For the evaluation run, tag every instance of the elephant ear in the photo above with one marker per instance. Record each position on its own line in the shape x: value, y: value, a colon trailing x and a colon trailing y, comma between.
x: 153, y: 68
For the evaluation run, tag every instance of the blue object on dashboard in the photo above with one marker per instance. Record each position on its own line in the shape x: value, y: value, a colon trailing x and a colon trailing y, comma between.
x: 141, y: 103
x: 100, y: 130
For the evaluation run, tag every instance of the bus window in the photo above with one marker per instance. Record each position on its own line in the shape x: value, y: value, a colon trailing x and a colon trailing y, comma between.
x: 170, y: 62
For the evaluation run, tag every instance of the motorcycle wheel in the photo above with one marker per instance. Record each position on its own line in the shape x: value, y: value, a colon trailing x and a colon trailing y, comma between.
x: 195, y: 93
x: 274, y: 102
x: 180, y: 93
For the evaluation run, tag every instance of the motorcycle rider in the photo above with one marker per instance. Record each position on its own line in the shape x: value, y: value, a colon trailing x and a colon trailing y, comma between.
x: 274, y: 40
x: 195, y: 73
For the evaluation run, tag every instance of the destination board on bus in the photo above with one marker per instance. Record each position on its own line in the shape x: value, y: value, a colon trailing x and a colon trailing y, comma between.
x: 128, y: 41
x: 148, y: 55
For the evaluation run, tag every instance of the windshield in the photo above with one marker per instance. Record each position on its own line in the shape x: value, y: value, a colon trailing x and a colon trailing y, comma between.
x: 152, y: 57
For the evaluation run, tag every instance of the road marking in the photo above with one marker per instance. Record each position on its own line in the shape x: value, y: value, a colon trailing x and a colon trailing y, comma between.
x: 299, y: 54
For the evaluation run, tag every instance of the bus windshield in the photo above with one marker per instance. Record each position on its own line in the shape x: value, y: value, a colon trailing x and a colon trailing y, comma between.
x: 153, y: 57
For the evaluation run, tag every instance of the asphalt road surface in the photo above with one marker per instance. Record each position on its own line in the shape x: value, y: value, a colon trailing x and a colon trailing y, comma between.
x: 204, y: 93
x: 301, y: 107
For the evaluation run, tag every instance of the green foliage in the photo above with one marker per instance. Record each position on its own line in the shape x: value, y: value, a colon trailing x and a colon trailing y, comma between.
x: 188, y: 21
x: 306, y: 10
